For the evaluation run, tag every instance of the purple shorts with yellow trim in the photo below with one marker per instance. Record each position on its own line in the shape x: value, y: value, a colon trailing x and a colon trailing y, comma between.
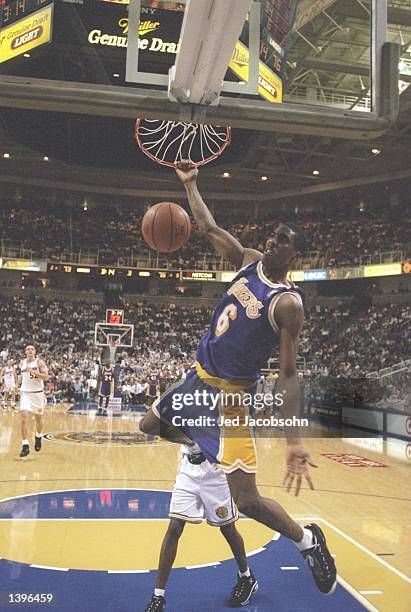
x: 209, y: 411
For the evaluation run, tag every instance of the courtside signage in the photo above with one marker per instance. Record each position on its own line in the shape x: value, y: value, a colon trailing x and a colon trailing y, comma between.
x: 26, y: 34
x: 25, y: 265
x: 199, y: 275
x: 389, y: 269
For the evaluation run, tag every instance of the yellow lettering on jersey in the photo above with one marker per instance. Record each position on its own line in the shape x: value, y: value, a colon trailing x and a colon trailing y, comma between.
x: 246, y: 298
x: 223, y: 323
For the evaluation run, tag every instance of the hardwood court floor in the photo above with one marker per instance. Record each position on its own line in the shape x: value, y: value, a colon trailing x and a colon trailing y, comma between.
x: 365, y: 510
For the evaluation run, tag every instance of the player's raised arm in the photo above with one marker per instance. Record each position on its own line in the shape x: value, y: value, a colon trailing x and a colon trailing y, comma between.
x: 224, y: 243
x: 290, y: 319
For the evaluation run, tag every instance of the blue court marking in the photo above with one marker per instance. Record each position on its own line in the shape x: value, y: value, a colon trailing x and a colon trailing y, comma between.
x: 84, y: 408
x: 203, y: 589
x: 89, y: 504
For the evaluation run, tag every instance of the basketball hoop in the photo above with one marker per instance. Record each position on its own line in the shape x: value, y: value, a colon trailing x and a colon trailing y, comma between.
x: 169, y: 142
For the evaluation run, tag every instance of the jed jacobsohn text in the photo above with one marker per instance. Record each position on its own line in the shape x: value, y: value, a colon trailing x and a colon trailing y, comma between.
x: 246, y: 420
x: 203, y: 398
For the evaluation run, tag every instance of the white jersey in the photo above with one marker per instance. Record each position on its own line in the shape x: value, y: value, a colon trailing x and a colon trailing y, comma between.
x: 9, y: 378
x: 29, y: 383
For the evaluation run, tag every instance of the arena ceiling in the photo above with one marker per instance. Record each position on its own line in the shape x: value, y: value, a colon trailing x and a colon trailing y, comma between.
x: 328, y: 62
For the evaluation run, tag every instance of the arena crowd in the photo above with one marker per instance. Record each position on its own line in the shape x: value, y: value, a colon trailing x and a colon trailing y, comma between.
x: 336, y: 342
x: 113, y: 233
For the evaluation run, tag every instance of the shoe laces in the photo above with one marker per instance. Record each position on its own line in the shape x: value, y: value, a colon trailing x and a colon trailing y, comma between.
x: 155, y: 603
x: 318, y: 552
x: 241, y: 585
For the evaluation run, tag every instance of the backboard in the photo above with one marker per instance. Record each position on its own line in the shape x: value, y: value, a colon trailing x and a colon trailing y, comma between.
x: 324, y: 67
x: 121, y: 334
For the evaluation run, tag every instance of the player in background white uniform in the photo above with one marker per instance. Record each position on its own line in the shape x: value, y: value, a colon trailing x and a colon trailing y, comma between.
x: 34, y: 373
x: 201, y: 491
x: 9, y: 383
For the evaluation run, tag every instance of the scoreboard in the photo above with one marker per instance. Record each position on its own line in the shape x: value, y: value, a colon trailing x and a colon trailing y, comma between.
x: 114, y: 316
x: 111, y: 272
x: 277, y: 20
x: 17, y: 9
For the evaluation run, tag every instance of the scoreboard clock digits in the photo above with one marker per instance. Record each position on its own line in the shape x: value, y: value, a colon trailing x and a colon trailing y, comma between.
x: 13, y: 11
x: 114, y: 317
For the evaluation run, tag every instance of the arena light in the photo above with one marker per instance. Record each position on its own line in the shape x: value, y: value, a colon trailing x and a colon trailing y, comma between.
x: 6, y: 155
x: 264, y: 178
x: 376, y: 151
x: 210, y: 31
x: 226, y: 174
x: 45, y: 158
x: 316, y: 172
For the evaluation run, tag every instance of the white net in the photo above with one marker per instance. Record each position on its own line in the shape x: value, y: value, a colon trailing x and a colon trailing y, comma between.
x: 169, y: 142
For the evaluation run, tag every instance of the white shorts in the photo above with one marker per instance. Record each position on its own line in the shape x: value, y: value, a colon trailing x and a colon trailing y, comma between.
x: 201, y: 492
x: 32, y: 402
x: 9, y: 387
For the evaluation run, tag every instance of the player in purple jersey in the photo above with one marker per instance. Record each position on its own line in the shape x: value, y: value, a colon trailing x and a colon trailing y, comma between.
x: 260, y: 311
x: 153, y: 387
x: 106, y: 389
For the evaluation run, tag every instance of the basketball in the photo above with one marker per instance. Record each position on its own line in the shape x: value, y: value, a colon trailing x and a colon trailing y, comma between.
x: 166, y: 227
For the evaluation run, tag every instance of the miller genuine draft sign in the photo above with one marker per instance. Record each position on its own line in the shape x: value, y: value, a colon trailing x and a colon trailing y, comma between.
x: 153, y: 43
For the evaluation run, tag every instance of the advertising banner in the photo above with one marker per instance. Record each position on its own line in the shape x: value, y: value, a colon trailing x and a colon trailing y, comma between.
x: 26, y: 34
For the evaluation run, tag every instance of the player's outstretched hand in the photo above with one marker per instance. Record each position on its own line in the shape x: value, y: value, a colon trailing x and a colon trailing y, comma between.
x: 187, y: 171
x: 297, y: 462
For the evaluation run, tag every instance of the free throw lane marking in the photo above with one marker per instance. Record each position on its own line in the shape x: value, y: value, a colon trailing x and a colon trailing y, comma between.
x: 363, y: 571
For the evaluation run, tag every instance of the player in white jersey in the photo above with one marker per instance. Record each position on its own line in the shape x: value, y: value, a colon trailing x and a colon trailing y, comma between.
x: 34, y: 373
x: 9, y: 383
x: 201, y: 491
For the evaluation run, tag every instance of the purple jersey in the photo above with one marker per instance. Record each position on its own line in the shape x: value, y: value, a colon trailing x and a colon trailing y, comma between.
x: 244, y: 332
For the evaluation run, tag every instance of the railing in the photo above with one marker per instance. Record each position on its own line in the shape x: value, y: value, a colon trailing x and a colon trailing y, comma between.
x: 390, y: 373
x: 322, y: 96
x: 393, y: 256
x: 204, y: 261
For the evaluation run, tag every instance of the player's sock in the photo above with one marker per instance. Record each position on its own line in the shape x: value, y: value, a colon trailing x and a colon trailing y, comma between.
x: 247, y: 573
x: 23, y: 442
x: 159, y: 592
x: 39, y: 435
x: 306, y: 541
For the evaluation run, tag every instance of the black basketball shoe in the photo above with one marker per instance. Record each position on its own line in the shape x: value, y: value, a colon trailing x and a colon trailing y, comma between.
x: 243, y: 590
x: 37, y: 443
x: 320, y: 562
x: 25, y: 450
x: 157, y: 604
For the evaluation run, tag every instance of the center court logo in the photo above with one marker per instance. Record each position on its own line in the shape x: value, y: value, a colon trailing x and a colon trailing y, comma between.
x: 99, y: 438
